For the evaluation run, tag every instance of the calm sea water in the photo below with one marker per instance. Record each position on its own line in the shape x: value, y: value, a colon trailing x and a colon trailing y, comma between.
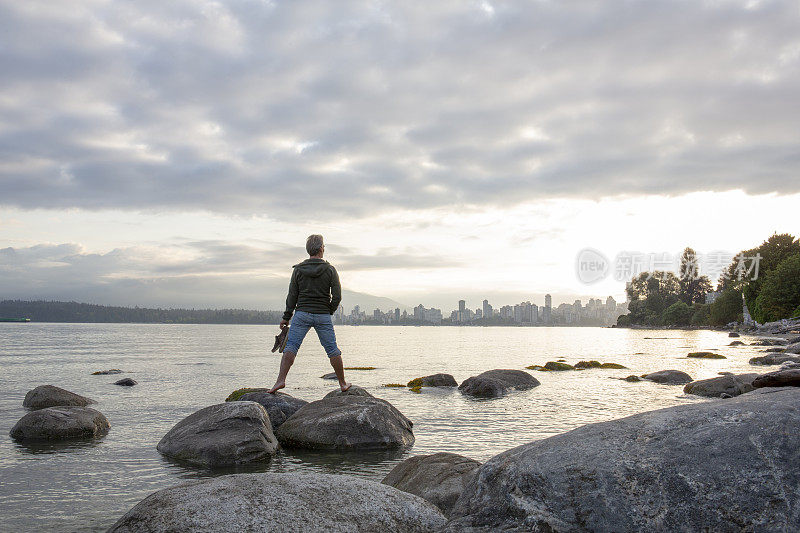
x: 182, y: 368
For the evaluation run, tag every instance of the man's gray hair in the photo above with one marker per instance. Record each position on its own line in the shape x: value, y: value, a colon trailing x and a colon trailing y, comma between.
x: 314, y: 244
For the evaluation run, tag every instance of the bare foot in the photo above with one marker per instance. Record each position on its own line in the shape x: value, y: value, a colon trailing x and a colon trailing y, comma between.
x: 276, y: 388
x: 346, y: 386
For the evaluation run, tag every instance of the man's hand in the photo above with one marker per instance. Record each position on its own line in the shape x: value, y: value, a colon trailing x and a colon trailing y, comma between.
x: 284, y: 324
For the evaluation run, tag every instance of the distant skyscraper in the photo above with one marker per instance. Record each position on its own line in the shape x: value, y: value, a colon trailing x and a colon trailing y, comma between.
x: 397, y: 314
x: 548, y: 300
x: 548, y: 309
x: 462, y: 311
x: 487, y: 309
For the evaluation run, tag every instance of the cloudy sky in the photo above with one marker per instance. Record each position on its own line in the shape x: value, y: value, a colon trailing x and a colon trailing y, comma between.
x: 178, y: 153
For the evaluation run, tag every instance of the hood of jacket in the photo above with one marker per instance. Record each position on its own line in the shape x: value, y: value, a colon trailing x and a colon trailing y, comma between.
x: 312, y: 267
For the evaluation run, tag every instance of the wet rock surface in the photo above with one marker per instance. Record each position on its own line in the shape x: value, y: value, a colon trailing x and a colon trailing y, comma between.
x: 52, y: 396
x: 496, y: 383
x: 60, y: 423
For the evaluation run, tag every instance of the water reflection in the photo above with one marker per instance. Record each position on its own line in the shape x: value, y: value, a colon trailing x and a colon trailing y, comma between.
x: 45, y: 447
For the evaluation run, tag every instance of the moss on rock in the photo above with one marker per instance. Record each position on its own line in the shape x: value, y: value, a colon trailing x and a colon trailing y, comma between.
x: 398, y: 385
x: 553, y: 365
x: 706, y: 355
x: 238, y: 393
x: 416, y: 382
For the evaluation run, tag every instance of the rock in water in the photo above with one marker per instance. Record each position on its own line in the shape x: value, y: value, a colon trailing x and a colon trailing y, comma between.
x: 781, y: 378
x: 225, y: 434
x: 669, y: 377
x: 711, y: 466
x: 279, y: 406
x: 60, y: 423
x: 329, y: 375
x: 706, y: 355
x: 793, y: 348
x: 52, y: 396
x: 126, y: 382
x: 354, y: 390
x: 496, y: 383
x: 733, y: 334
x: 439, y: 478
x: 347, y: 423
x: 107, y: 372
x: 736, y: 343
x: 281, y: 502
x: 434, y: 380
x: 774, y: 359
x: 730, y: 385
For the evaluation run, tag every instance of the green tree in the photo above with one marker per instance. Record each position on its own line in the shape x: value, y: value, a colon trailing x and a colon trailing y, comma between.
x: 677, y: 314
x: 780, y: 291
x: 693, y: 286
x: 700, y: 316
x: 726, y: 308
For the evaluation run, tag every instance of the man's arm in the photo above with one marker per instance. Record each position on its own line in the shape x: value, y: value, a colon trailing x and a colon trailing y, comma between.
x: 291, y: 299
x: 336, y: 290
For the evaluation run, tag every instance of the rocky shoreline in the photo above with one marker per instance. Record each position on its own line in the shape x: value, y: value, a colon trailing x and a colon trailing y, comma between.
x: 729, y: 463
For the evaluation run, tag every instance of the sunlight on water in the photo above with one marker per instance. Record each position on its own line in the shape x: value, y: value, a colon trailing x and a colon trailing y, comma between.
x: 182, y: 368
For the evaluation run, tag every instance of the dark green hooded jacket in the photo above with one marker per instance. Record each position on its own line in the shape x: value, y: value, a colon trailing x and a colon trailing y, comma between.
x: 314, y: 288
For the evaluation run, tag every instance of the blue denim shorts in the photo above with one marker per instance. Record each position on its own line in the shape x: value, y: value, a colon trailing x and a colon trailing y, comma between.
x: 322, y: 323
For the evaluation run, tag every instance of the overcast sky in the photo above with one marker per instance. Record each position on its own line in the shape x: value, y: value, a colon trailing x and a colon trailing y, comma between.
x: 178, y: 153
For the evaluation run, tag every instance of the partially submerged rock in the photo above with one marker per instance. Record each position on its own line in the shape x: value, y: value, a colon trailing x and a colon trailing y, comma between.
x: 793, y: 348
x: 706, y: 355
x: 631, y: 379
x: 60, y: 423
x: 733, y: 334
x: 556, y: 366
x: 711, y: 466
x: 780, y: 378
x: 52, y: 396
x: 774, y: 359
x: 769, y: 341
x: 496, y: 383
x: 271, y: 502
x: 669, y: 377
x: 126, y: 382
x: 736, y: 343
x: 347, y: 423
x: 329, y: 375
x: 439, y: 478
x: 220, y: 435
x: 582, y: 365
x: 729, y: 385
x: 107, y: 372
x: 434, y: 380
x: 279, y: 406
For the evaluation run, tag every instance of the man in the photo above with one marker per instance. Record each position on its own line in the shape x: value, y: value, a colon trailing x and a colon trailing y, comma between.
x: 315, y: 293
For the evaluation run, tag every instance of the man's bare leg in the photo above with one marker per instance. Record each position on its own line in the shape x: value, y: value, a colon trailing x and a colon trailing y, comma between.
x: 286, y: 363
x: 338, y: 367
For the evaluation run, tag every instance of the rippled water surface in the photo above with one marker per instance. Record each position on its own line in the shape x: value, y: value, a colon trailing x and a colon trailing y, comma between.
x: 181, y: 368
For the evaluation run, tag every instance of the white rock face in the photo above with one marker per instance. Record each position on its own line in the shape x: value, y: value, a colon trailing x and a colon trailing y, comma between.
x: 281, y: 502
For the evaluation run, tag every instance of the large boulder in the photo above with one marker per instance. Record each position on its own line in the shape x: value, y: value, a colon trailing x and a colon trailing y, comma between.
x: 225, y: 434
x: 781, y: 378
x: 711, y: 466
x: 729, y: 385
x: 354, y: 390
x: 347, y: 423
x: 669, y: 377
x: 774, y: 359
x: 434, y: 380
x: 272, y: 502
x: 52, y: 396
x: 439, y: 478
x: 60, y: 423
x: 496, y: 383
x: 279, y: 406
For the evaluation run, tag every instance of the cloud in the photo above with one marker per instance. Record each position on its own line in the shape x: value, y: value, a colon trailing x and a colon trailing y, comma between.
x: 191, y: 274
x: 310, y: 109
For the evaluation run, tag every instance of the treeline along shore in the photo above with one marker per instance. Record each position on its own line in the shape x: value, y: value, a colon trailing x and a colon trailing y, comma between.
x: 47, y: 311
